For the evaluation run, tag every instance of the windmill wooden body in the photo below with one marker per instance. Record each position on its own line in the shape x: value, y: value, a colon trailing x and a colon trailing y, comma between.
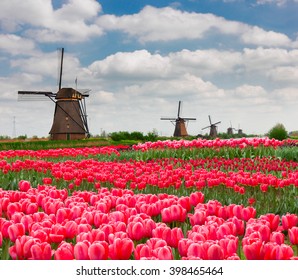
x: 213, y: 128
x: 230, y: 130
x: 70, y: 118
x: 180, y: 123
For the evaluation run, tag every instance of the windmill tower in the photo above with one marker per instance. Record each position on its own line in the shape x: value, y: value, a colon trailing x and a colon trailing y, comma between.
x: 240, y: 131
x: 213, y: 128
x: 179, y: 122
x: 230, y: 130
x: 70, y: 118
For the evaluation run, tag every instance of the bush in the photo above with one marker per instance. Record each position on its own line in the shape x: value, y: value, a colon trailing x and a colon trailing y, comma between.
x: 278, y: 132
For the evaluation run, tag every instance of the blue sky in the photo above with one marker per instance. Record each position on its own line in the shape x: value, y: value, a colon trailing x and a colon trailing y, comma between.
x: 235, y: 60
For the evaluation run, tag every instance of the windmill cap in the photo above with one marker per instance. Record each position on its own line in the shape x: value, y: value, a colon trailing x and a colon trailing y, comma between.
x: 69, y: 93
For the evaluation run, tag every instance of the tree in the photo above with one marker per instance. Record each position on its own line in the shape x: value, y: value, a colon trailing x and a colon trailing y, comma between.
x: 278, y: 132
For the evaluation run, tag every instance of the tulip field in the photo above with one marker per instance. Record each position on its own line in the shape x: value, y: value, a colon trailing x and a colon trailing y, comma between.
x: 234, y: 199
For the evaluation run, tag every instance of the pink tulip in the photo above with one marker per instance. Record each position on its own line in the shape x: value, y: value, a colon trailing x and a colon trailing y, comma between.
x: 272, y: 219
x: 229, y: 246
x: 24, y: 186
x: 136, y: 230
x: 183, y: 245
x: 277, y: 237
x: 196, y: 198
x: 142, y: 251
x: 215, y: 252
x: 198, y: 218
x: 99, y: 250
x: 15, y: 231
x: 41, y: 251
x: 293, y: 235
x: 253, y: 249
x: 163, y: 253
x: 65, y: 251
x: 154, y: 243
x: 198, y: 250
x: 81, y: 250
x: 289, y: 221
x: 121, y: 249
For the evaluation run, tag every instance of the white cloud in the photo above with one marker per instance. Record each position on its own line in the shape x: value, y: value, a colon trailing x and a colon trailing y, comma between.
x: 38, y: 19
x: 166, y: 24
x: 276, y: 2
x: 137, y: 64
x: 257, y: 36
x: 15, y: 45
x: 286, y: 74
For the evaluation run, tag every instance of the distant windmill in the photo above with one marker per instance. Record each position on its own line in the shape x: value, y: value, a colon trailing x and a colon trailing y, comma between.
x: 231, y: 129
x: 240, y: 131
x: 70, y: 118
x: 179, y: 122
x: 213, y: 128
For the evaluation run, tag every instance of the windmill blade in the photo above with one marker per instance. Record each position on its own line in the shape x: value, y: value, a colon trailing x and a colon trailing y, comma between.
x: 35, y: 95
x: 206, y: 127
x: 210, y: 120
x: 216, y: 123
x: 61, y: 68
x: 189, y: 119
x: 179, y: 108
x: 168, y: 119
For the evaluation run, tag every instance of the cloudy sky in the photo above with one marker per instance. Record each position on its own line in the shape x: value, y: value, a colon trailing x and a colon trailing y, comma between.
x: 235, y: 60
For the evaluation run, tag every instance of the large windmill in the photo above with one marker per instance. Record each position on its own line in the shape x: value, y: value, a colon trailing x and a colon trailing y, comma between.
x: 70, y: 118
x: 213, y: 128
x: 179, y: 122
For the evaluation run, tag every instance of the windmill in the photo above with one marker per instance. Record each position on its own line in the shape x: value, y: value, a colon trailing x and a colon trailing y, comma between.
x: 230, y: 129
x: 213, y: 128
x: 70, y: 118
x: 239, y: 131
x: 179, y: 122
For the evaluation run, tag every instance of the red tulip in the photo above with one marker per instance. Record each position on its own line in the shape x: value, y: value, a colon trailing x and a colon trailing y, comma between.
x: 176, y: 235
x: 99, y: 250
x: 198, y: 218
x: 248, y: 213
x: 121, y: 249
x: 183, y: 245
x: 41, y: 251
x: 229, y: 246
x: 136, y: 230
x: 154, y: 243
x: 24, y: 186
x: 198, y: 250
x: 289, y: 221
x: 228, y: 228
x: 277, y: 237
x: 272, y: 219
x: 293, y: 235
x: 142, y: 251
x: 196, y: 197
x: 65, y: 251
x: 163, y: 253
x: 71, y: 228
x: 22, y: 248
x: 278, y: 252
x: 215, y: 252
x: 81, y: 250
x: 15, y: 231
x: 253, y: 249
